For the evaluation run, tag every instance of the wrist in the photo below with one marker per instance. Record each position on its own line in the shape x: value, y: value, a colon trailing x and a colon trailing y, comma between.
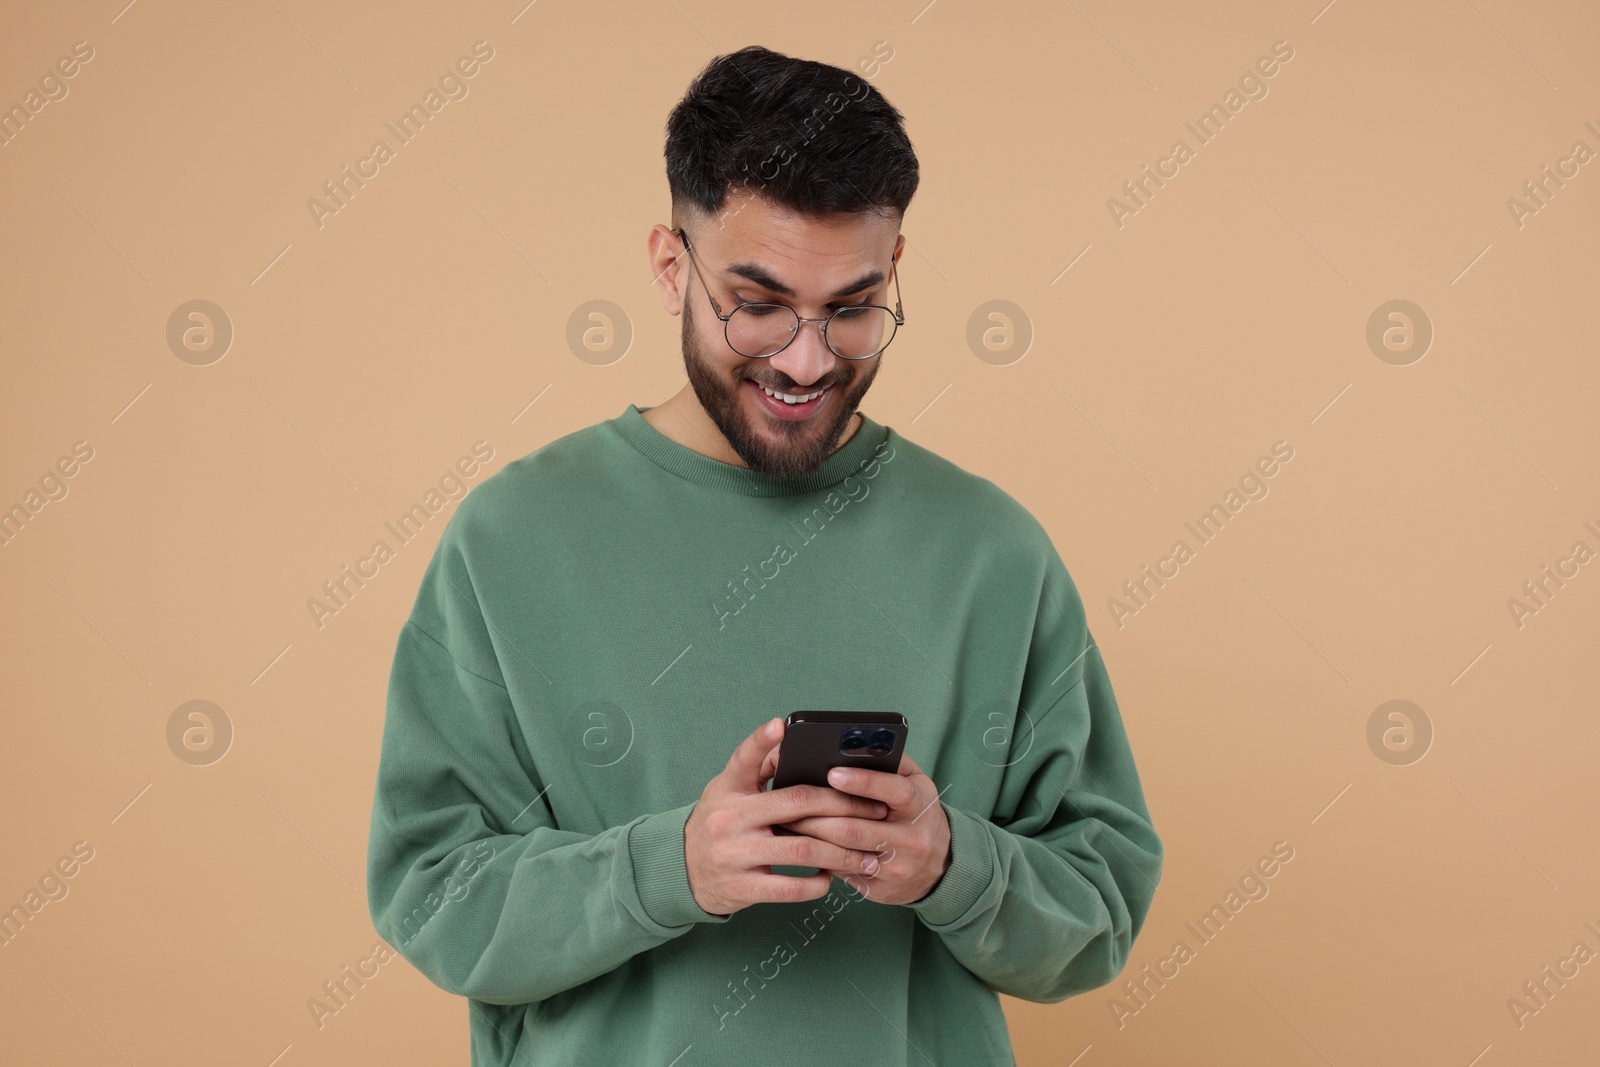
x: 944, y: 867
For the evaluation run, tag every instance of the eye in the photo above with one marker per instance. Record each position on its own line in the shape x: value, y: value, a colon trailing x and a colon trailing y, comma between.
x: 758, y: 310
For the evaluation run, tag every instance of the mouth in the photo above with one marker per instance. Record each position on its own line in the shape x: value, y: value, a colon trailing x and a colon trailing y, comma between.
x: 790, y: 407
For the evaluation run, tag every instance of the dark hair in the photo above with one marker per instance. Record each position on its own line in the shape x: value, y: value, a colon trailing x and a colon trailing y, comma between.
x: 808, y: 136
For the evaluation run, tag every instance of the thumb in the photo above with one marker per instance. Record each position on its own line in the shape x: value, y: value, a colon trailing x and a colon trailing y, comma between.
x: 745, y: 765
x: 769, y: 765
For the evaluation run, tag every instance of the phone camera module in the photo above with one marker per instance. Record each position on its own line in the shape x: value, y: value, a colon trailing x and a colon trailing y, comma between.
x: 866, y: 741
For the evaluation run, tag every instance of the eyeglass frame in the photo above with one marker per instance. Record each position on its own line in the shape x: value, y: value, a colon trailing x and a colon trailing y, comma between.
x: 716, y: 309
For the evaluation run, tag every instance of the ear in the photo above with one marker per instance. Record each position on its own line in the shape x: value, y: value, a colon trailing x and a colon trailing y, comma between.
x: 667, y: 261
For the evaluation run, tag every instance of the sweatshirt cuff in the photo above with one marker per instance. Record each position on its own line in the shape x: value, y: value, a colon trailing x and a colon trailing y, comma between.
x: 971, y: 871
x: 660, y: 873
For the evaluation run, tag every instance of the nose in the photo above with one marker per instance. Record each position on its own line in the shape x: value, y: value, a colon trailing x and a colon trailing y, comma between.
x: 807, y: 357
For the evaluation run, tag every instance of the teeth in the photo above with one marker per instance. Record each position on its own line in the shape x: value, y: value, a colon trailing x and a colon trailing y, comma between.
x: 787, y: 399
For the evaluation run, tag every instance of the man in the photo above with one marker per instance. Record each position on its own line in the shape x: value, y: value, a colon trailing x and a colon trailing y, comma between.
x: 559, y: 832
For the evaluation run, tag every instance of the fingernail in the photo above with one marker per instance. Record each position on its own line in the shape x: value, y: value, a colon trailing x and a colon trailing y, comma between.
x: 772, y: 727
x: 838, y: 776
x: 870, y: 865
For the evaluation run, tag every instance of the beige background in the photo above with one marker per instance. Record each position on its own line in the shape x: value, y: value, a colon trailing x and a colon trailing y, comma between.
x: 1228, y: 313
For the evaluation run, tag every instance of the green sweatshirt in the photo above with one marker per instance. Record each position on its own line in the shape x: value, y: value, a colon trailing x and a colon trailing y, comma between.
x: 605, y: 619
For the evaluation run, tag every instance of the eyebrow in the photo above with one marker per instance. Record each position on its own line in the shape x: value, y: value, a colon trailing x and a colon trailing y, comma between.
x: 758, y: 275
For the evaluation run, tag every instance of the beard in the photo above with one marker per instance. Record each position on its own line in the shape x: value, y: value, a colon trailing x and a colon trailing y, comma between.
x: 800, y: 447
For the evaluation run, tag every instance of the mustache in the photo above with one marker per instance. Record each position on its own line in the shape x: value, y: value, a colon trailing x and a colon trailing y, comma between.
x: 796, y: 390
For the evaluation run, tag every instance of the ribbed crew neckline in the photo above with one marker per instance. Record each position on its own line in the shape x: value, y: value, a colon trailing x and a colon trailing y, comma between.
x: 691, y: 466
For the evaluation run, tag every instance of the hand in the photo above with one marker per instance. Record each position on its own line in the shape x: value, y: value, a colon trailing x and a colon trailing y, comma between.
x: 914, y: 838
x: 728, y: 844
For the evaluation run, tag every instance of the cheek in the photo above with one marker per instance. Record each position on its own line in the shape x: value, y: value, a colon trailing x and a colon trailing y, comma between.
x: 715, y: 360
x: 863, y: 378
x: 710, y: 343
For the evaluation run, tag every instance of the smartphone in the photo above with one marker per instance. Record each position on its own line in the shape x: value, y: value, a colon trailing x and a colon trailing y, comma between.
x: 815, y: 742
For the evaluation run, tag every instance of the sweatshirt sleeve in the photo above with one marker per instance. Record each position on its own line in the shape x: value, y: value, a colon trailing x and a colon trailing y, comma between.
x: 1043, y: 900
x: 468, y: 876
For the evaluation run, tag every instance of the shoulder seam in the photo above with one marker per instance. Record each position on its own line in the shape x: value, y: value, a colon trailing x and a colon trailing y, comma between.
x: 1057, y: 701
x: 1082, y: 674
x: 448, y: 655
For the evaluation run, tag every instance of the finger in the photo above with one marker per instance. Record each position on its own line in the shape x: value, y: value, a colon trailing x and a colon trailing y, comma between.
x: 857, y: 835
x: 744, y: 766
x: 787, y: 888
x: 798, y: 801
x: 862, y: 884
x: 895, y: 790
x: 908, y: 765
x: 803, y: 851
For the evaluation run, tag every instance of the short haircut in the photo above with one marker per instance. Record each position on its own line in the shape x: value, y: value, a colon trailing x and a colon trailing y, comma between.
x: 813, y: 138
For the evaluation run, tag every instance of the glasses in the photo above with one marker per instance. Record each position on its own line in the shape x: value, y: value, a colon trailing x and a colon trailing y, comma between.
x: 762, y: 330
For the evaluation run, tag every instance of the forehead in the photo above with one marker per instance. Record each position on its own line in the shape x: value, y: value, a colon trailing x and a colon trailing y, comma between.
x: 789, y: 254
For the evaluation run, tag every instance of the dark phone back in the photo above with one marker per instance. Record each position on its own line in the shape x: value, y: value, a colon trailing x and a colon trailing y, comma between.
x: 814, y: 742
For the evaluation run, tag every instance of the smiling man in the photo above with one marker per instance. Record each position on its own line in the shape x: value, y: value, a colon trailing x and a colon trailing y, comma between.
x: 559, y: 831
